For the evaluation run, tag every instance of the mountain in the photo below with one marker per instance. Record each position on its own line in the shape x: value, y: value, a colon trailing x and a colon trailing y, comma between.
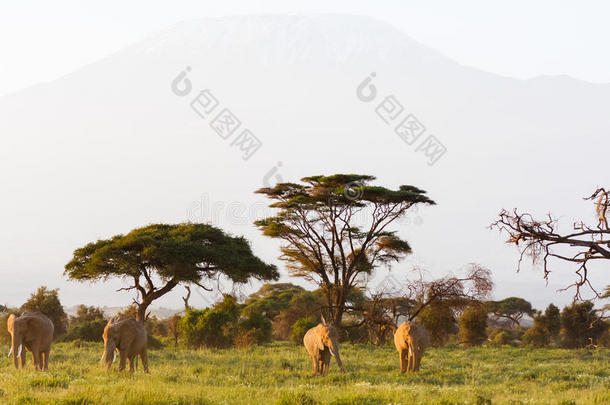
x: 117, y: 144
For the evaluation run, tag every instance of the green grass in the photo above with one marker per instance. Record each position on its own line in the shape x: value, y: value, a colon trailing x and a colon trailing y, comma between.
x: 280, y: 374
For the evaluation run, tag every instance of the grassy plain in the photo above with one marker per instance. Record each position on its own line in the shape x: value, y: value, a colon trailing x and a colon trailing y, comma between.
x: 280, y: 374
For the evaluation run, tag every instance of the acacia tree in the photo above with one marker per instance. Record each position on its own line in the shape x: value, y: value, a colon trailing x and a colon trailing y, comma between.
x: 156, y: 258
x: 541, y: 240
x: 335, y: 230
x: 511, y: 308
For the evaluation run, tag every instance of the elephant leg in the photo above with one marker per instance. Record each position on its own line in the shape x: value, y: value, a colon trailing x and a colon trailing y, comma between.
x: 326, y: 361
x: 313, y: 365
x: 122, y: 362
x: 131, y: 364
x: 45, y: 364
x: 37, y: 359
x: 144, y: 357
x: 403, y: 360
x: 316, y: 365
x: 418, y: 357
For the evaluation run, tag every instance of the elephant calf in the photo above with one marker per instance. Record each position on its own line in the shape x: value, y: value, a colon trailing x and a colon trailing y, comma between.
x: 321, y: 342
x: 411, y: 340
x: 34, y: 331
x: 129, y: 337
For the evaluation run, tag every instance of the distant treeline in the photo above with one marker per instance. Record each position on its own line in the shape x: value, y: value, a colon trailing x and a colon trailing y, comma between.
x: 284, y: 311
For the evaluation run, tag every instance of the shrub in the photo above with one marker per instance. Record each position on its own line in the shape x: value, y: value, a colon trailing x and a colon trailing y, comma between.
x: 580, y: 325
x: 212, y: 327
x: 545, y: 329
x: 439, y: 320
x: 300, y: 327
x: 153, y: 343
x: 299, y: 306
x: 88, y: 331
x: 47, y: 302
x: 473, y: 325
x: 538, y: 335
x: 254, y: 329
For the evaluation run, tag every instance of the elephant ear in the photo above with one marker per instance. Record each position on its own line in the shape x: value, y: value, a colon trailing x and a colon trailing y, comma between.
x: 318, y: 343
x: 10, y: 323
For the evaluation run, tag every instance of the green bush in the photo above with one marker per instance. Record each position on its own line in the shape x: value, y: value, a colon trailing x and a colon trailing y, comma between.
x: 537, y: 336
x: 300, y: 327
x: 439, y: 320
x: 473, y: 325
x: 580, y: 325
x: 211, y: 327
x: 254, y: 329
x: 88, y: 331
x: 47, y: 302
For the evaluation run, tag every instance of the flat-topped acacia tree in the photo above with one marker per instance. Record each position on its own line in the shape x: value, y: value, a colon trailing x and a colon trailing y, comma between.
x: 156, y: 258
x: 335, y: 230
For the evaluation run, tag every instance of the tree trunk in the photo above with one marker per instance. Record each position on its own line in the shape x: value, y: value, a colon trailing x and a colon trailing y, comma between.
x: 142, y: 307
x: 339, y: 310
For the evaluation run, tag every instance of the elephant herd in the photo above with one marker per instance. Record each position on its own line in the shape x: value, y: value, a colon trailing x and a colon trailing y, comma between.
x: 322, y: 342
x: 34, y: 332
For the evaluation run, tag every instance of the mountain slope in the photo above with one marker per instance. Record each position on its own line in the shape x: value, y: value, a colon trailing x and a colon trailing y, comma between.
x: 111, y: 146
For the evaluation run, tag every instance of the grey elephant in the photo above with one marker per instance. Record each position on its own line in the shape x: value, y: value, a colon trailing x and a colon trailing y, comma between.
x: 129, y: 338
x: 33, y: 331
x: 321, y: 342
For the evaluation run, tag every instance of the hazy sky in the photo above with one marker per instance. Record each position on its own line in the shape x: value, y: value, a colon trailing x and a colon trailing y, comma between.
x: 42, y: 40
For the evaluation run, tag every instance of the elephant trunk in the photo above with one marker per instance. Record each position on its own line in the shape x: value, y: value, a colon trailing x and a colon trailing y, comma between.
x: 109, y: 353
x: 334, y: 351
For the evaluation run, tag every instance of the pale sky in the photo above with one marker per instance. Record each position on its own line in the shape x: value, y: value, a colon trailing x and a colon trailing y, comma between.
x: 42, y: 40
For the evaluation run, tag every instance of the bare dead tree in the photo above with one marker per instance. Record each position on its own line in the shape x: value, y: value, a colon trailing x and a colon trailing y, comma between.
x: 381, y: 312
x: 476, y: 285
x: 543, y: 242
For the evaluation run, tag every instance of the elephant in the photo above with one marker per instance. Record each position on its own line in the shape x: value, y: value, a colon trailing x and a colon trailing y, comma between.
x: 129, y: 338
x: 321, y: 342
x: 34, y: 331
x: 411, y: 340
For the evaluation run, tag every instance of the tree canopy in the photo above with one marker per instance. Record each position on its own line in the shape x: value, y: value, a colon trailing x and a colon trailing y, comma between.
x: 335, y: 230
x: 511, y: 308
x: 156, y: 258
